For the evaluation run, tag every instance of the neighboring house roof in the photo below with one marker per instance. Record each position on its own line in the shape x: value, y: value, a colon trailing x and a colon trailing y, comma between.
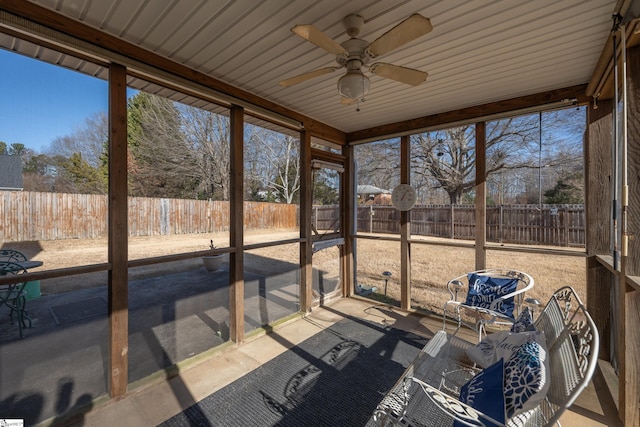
x: 10, y: 172
x: 370, y: 189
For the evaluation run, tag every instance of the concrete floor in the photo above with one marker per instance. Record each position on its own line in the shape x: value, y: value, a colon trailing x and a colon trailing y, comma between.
x: 158, y: 401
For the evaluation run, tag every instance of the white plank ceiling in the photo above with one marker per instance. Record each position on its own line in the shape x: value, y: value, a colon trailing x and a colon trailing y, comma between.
x: 479, y: 50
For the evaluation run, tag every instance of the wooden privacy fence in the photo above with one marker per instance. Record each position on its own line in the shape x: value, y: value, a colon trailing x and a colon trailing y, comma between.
x: 556, y: 225
x: 31, y: 216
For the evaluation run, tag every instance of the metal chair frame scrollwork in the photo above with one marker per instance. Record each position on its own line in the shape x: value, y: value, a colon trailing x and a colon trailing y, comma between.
x: 12, y: 255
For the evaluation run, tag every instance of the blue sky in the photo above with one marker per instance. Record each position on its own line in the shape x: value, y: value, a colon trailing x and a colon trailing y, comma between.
x: 40, y: 102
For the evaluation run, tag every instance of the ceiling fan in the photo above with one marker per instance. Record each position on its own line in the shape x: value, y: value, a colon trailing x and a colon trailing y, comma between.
x: 355, y: 54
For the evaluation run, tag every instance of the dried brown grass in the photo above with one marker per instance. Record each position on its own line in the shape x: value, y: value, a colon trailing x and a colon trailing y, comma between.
x: 432, y: 266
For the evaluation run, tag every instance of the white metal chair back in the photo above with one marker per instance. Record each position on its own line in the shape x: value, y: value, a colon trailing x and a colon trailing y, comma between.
x: 479, y: 316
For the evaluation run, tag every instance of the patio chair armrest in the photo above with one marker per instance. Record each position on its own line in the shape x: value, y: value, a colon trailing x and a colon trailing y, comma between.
x: 497, y: 302
x: 454, y: 287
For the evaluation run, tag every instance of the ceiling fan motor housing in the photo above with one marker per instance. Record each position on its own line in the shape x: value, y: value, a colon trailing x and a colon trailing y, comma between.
x: 356, y: 49
x: 353, y: 23
x: 354, y: 84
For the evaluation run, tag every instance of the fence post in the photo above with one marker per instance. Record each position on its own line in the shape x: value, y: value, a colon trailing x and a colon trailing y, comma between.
x: 315, y: 218
x: 165, y: 223
x: 565, y: 219
x: 370, y: 218
x: 453, y: 231
x: 500, y: 213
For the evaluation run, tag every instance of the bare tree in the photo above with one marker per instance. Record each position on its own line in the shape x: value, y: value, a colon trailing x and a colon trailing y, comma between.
x: 449, y: 155
x: 553, y: 153
x: 286, y: 157
x: 379, y: 163
x: 518, y: 158
x: 273, y: 162
x: 72, y: 163
x: 513, y: 144
x: 90, y: 139
x: 207, y: 136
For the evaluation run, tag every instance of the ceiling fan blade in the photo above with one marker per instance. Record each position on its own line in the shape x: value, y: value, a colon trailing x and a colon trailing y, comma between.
x: 400, y: 74
x: 306, y: 76
x: 320, y: 39
x: 410, y: 29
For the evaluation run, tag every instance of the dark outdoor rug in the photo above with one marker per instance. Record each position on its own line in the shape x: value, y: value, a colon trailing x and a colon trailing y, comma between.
x: 335, y: 378
x: 74, y: 311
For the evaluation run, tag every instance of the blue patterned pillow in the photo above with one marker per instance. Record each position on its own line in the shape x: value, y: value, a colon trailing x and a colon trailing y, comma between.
x: 526, y: 377
x: 483, y: 290
x: 524, y: 322
x: 484, y: 392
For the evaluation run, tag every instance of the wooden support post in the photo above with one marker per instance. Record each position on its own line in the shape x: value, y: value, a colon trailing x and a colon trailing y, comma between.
x: 405, y: 228
x: 236, y: 233
x: 348, y: 229
x: 626, y: 314
x: 599, y: 289
x: 306, y: 243
x: 598, y: 211
x: 629, y: 393
x: 481, y: 199
x: 118, y: 285
x: 630, y: 376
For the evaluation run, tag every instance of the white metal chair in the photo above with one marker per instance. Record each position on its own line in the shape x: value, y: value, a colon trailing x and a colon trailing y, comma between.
x: 486, y: 297
x: 428, y: 392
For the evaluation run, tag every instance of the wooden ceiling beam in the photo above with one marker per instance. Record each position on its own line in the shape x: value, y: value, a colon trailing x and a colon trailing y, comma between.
x: 470, y: 114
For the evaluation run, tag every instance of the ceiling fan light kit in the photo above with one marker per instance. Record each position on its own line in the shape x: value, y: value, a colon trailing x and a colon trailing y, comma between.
x: 354, y: 85
x: 354, y: 54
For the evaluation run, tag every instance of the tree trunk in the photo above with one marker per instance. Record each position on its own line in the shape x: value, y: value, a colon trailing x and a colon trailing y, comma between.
x: 454, y: 196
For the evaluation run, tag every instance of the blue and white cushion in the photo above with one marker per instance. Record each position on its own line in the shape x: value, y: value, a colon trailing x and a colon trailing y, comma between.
x: 484, y: 393
x: 526, y: 376
x: 524, y: 322
x: 483, y: 290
